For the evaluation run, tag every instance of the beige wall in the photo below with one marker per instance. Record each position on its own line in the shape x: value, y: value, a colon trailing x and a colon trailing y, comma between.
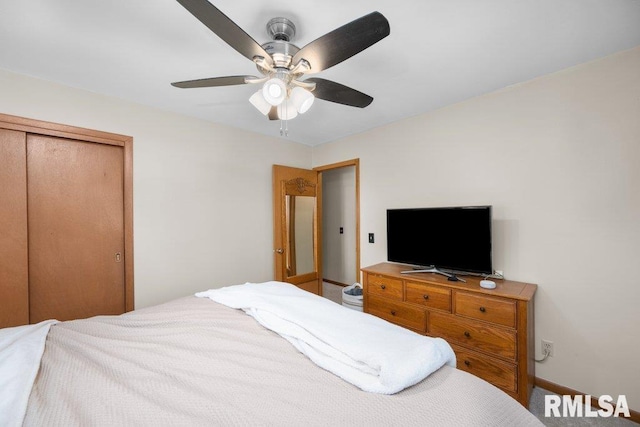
x: 202, y: 192
x: 559, y: 159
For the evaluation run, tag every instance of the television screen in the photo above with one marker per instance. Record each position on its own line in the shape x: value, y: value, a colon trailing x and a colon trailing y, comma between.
x: 457, y: 238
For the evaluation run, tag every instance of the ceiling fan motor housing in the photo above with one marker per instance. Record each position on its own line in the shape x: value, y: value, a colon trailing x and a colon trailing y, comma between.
x: 281, y: 52
x: 281, y: 31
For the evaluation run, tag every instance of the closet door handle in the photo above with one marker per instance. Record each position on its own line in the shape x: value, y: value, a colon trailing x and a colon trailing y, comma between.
x: 118, y: 257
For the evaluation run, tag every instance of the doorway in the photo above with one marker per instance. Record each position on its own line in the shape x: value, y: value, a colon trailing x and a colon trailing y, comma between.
x: 340, y: 227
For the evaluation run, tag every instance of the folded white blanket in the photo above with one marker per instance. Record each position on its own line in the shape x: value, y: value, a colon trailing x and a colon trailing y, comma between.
x: 366, y: 351
x: 21, y: 349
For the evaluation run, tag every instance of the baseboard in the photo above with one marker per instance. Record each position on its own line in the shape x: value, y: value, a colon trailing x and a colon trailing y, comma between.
x: 333, y: 282
x: 562, y: 390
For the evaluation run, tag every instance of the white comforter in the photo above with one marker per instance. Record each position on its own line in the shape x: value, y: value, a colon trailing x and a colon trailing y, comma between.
x: 370, y: 353
x: 20, y: 352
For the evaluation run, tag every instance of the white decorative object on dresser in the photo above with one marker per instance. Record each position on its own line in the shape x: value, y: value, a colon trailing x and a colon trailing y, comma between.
x: 490, y: 330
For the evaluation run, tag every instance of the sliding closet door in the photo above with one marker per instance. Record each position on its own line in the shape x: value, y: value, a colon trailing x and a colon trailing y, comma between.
x: 14, y: 288
x: 76, y: 228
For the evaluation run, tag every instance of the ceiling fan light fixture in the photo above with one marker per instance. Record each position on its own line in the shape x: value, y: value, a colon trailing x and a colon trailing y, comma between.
x: 302, y: 99
x: 287, y: 111
x: 261, y: 104
x: 274, y: 91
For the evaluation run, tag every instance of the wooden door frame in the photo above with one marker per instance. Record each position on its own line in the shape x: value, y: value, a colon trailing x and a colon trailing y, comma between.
x: 339, y: 165
x: 88, y: 135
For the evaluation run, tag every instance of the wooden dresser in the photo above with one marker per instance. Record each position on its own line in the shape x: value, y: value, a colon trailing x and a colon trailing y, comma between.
x: 490, y: 330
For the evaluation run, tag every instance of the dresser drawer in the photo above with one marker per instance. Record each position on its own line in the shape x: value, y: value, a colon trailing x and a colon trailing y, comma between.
x: 384, y: 286
x: 498, y: 373
x: 492, y: 310
x: 491, y: 339
x: 429, y: 296
x: 397, y: 312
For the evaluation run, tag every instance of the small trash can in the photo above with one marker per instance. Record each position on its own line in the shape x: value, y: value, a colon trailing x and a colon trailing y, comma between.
x: 352, y: 297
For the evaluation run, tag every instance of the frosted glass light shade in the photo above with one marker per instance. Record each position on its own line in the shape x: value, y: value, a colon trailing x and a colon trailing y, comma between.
x: 274, y: 91
x: 261, y: 104
x: 287, y: 111
x: 302, y: 99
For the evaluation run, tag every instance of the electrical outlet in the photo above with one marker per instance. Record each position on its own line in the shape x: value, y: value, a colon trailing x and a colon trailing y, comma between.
x: 547, y: 348
x: 499, y: 273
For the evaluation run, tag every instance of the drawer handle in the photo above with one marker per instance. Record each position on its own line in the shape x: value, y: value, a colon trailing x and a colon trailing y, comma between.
x: 383, y: 287
x: 467, y: 363
x: 425, y: 296
x: 482, y: 309
x: 467, y: 334
x: 393, y: 312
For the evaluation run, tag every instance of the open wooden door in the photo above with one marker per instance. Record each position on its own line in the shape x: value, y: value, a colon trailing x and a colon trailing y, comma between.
x: 297, y: 197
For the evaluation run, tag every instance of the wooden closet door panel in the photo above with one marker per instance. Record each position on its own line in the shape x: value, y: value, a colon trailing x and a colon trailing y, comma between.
x: 76, y: 228
x: 14, y: 285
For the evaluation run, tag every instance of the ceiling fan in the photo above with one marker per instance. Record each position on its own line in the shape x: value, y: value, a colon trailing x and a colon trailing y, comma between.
x: 282, y: 65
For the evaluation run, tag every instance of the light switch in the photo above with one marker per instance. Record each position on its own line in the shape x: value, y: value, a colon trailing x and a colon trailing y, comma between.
x: 371, y: 239
x: 341, y: 230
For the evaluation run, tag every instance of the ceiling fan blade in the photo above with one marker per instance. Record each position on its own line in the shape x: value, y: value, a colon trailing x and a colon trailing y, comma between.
x: 340, y: 94
x: 226, y: 29
x: 344, y: 42
x: 273, y: 114
x: 213, y: 81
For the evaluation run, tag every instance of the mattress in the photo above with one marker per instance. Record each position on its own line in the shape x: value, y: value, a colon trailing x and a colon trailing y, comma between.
x: 195, y: 362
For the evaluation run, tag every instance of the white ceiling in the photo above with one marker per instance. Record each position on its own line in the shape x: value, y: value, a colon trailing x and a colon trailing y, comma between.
x: 439, y: 52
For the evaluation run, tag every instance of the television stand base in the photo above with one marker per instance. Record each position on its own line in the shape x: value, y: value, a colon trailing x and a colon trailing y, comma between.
x: 432, y: 269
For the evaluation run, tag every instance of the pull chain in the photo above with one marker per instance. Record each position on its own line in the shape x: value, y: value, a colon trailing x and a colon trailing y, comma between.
x: 284, y: 131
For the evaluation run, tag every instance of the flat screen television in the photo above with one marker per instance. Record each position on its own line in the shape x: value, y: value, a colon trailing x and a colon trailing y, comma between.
x: 449, y: 239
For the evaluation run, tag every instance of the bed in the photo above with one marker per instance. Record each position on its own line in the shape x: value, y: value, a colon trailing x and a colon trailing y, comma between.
x: 193, y: 361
